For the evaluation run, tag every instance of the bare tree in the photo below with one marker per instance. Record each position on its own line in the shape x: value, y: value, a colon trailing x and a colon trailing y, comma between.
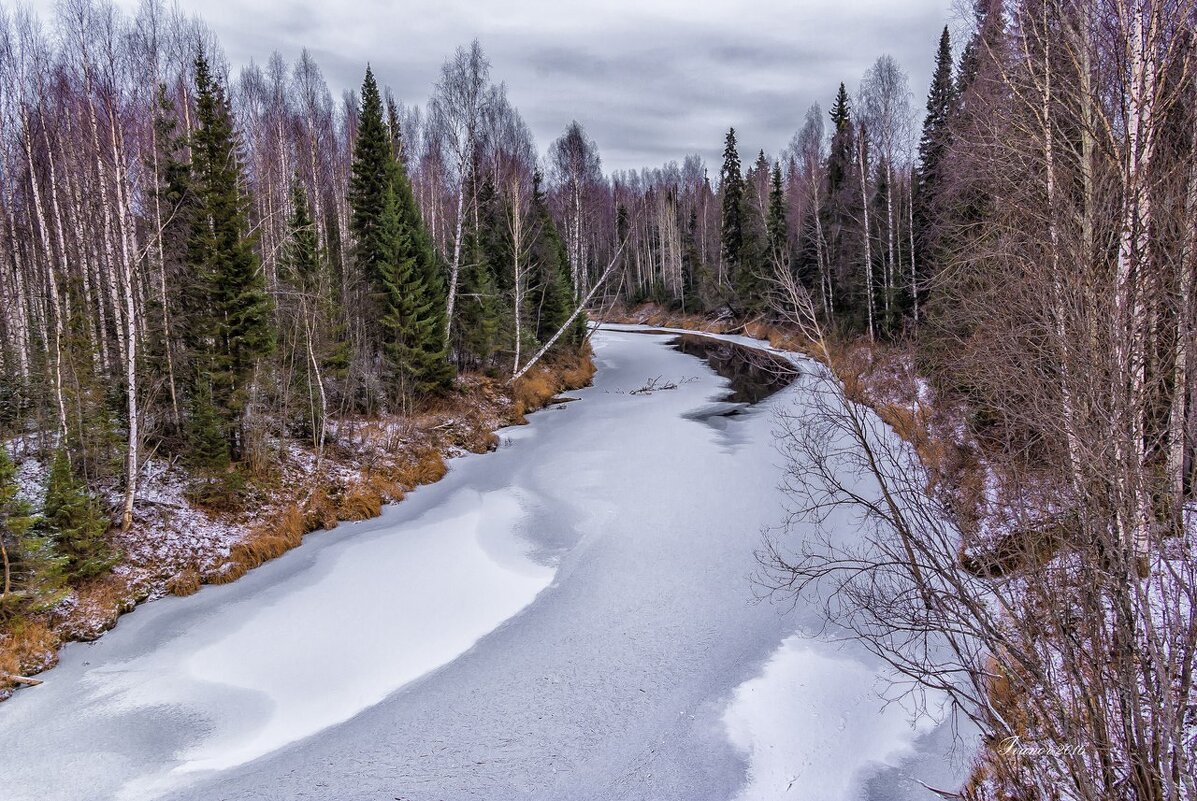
x: 457, y: 110
x: 576, y: 167
x: 885, y: 109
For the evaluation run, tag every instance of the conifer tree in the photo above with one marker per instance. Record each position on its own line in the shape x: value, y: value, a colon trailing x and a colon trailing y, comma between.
x: 207, y: 439
x: 480, y: 310
x: 311, y: 308
x: 31, y: 572
x: 842, y: 213
x: 300, y: 263
x: 752, y: 267
x: 412, y: 295
x: 552, y: 297
x: 731, y: 185
x: 369, y: 181
x: 173, y: 210
x: 779, y: 233
x: 933, y: 146
x: 238, y: 325
x: 75, y: 521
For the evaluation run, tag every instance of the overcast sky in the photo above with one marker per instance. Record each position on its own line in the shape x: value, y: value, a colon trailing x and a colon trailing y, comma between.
x: 651, y: 80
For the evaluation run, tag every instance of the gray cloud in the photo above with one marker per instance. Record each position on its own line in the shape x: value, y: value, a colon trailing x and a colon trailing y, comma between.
x: 651, y: 80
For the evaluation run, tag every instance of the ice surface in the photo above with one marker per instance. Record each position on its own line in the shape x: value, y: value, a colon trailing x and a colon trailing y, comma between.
x: 570, y: 617
x: 808, y: 711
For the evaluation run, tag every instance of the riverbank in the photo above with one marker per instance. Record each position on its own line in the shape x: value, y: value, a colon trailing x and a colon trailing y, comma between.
x: 883, y: 377
x: 177, y: 544
x: 642, y: 667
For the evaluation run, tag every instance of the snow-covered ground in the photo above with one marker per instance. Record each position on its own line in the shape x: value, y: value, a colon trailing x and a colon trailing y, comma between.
x: 571, y: 617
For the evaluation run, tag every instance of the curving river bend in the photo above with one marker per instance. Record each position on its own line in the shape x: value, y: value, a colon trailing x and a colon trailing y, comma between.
x: 571, y: 617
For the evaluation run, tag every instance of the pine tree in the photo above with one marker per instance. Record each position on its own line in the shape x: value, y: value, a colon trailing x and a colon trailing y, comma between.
x: 731, y: 184
x: 753, y: 265
x: 238, y: 322
x: 552, y: 296
x: 412, y: 295
x: 368, y: 186
x: 75, y: 521
x: 779, y: 233
x: 933, y: 146
x: 842, y: 213
x: 31, y: 572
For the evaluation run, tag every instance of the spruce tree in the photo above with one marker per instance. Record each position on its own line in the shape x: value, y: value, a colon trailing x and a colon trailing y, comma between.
x: 478, y: 322
x: 731, y: 185
x: 842, y: 213
x: 300, y: 263
x: 173, y: 207
x: 31, y: 572
x: 933, y: 146
x: 207, y: 438
x: 779, y: 233
x: 370, y: 176
x: 752, y: 268
x: 412, y: 295
x: 310, y: 308
x: 239, y: 321
x: 75, y: 521
x: 551, y: 296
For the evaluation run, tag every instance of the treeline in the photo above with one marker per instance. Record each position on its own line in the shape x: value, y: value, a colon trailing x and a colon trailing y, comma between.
x: 201, y: 268
x: 1036, y: 241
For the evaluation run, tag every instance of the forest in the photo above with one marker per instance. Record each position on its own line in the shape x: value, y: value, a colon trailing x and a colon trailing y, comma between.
x: 199, y: 265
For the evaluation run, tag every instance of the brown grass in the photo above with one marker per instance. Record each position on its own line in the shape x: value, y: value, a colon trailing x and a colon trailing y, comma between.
x: 99, y: 602
x: 907, y: 423
x: 577, y: 370
x: 29, y: 646
x: 319, y: 512
x: 361, y: 501
x: 533, y: 390
x: 185, y: 583
x: 269, y: 541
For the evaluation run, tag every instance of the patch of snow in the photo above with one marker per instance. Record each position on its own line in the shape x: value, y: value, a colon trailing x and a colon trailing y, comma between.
x: 812, y: 725
x: 32, y: 475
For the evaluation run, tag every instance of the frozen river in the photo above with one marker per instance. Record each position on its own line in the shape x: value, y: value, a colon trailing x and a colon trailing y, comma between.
x: 571, y: 617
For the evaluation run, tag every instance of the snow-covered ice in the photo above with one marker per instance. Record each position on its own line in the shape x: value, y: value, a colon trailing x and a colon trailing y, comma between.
x: 570, y: 617
x: 809, y: 710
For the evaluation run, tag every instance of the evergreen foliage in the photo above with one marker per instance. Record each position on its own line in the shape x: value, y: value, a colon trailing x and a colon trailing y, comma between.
x: 32, y: 573
x: 370, y: 176
x: 235, y: 323
x: 933, y: 146
x: 413, y: 295
x: 731, y: 187
x: 75, y: 521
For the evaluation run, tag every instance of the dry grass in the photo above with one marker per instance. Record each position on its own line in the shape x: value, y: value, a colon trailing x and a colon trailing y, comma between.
x: 319, y: 512
x: 185, y: 583
x: 533, y: 390
x: 998, y: 764
x: 269, y: 541
x: 27, y: 647
x: 576, y: 370
x: 543, y: 382
x: 907, y: 423
x: 98, y: 604
x: 360, y: 502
